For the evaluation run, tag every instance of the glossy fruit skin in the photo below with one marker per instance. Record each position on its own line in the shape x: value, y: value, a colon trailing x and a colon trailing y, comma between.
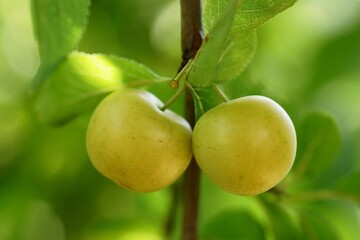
x: 135, y: 144
x: 246, y: 146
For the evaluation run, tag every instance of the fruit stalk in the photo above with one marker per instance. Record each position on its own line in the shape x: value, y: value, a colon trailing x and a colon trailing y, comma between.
x: 191, y: 40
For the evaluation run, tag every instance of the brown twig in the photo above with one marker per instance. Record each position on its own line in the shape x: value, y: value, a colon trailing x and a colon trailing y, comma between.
x: 191, y: 40
x: 191, y: 29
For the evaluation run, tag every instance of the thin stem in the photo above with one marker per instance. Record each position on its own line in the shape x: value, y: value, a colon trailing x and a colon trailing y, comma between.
x: 146, y: 82
x: 219, y: 92
x: 196, y: 95
x: 178, y: 93
x: 174, y: 83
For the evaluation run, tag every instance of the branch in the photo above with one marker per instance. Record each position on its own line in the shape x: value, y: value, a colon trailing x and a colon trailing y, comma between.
x: 191, y: 29
x: 191, y: 40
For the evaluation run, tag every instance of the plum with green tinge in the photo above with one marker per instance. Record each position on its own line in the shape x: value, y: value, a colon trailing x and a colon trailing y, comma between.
x: 246, y: 146
x: 135, y: 144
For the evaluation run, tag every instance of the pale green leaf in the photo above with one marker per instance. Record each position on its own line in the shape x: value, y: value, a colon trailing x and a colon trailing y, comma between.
x: 205, y: 98
x: 223, y: 55
x: 212, y: 13
x: 243, y: 85
x: 82, y: 80
x: 222, y: 59
x: 235, y: 57
x: 58, y: 27
x: 249, y: 15
x: 208, y: 97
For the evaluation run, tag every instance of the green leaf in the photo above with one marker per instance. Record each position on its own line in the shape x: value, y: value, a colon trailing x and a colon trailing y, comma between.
x: 205, y: 98
x: 82, y: 80
x: 202, y: 71
x: 349, y: 187
x: 231, y: 41
x: 243, y: 85
x: 223, y: 55
x: 316, y: 227
x: 58, y: 27
x: 233, y: 225
x: 249, y: 15
x: 319, y: 144
x: 283, y: 225
x: 237, y: 54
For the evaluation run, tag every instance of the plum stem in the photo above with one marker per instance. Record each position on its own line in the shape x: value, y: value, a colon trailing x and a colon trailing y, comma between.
x: 174, y: 83
x: 173, y: 99
x: 219, y: 92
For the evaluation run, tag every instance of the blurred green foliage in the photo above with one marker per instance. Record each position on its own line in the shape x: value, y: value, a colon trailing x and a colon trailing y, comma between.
x: 308, y: 59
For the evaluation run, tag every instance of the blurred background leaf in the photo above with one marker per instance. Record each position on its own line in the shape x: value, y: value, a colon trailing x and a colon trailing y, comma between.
x: 349, y: 187
x: 316, y: 227
x: 282, y: 222
x: 341, y: 216
x: 233, y: 224
x: 318, y: 145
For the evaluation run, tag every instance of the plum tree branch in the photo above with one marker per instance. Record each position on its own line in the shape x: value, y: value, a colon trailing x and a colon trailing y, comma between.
x: 191, y: 29
x: 191, y: 40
